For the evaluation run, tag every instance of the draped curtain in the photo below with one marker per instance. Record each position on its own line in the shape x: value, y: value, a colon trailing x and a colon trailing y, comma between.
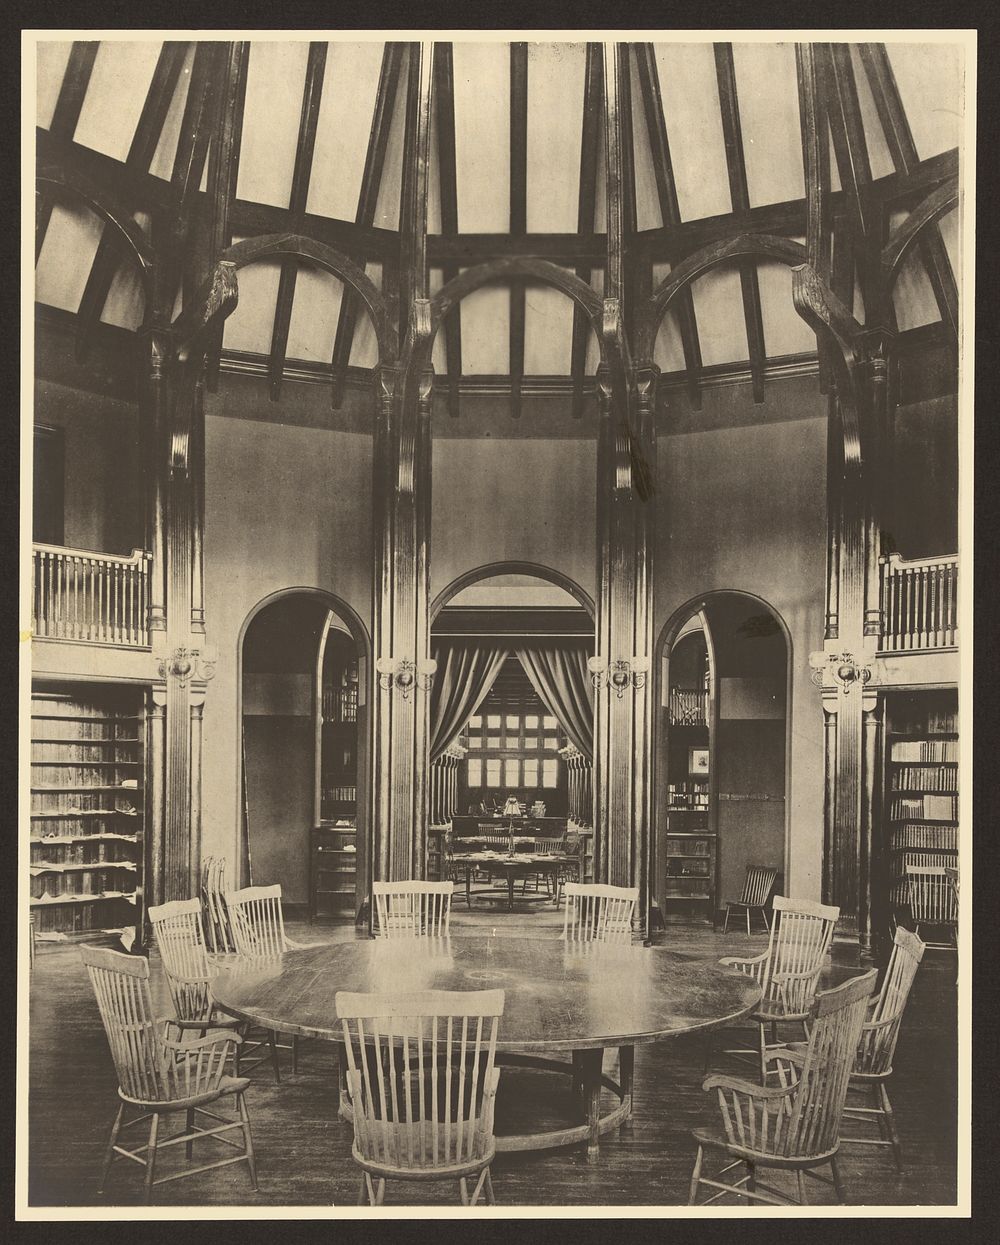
x: 562, y: 682
x: 465, y: 674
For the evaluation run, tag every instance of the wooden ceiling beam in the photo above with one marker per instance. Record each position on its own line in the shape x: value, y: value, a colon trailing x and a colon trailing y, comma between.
x: 666, y: 191
x: 64, y: 119
x: 518, y: 212
x: 141, y: 151
x: 371, y: 182
x: 740, y: 194
x: 413, y: 194
x: 814, y: 134
x: 903, y: 150
x: 444, y: 93
x: 590, y: 139
x: 312, y: 95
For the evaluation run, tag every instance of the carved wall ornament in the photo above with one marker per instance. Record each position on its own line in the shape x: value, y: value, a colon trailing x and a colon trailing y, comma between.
x: 843, y: 669
x: 619, y: 674
x: 184, y: 664
x: 405, y: 674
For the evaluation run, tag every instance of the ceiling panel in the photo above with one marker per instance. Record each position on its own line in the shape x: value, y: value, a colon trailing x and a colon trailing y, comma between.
x: 435, y: 279
x: 548, y: 332
x: 486, y: 331
x: 878, y: 150
x: 766, y: 87
x: 350, y: 85
x: 482, y: 136
x: 694, y: 128
x: 912, y: 295
x: 163, y: 158
x: 951, y: 234
x: 67, y: 254
x: 930, y: 77
x: 387, y: 207
x: 364, y: 352
x: 117, y: 91
x: 124, y: 304
x: 718, y: 309
x: 276, y: 74
x: 668, y: 352
x: 250, y: 324
x: 647, y: 203
x: 313, y: 322
x: 51, y: 59
x: 593, y: 356
x: 556, y: 74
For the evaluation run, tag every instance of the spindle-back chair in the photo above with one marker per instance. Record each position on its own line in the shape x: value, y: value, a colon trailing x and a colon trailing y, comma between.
x: 162, y: 1074
x: 412, y: 909
x: 793, y: 1126
x: 877, y: 1044
x: 932, y: 900
x: 258, y: 930
x: 218, y: 932
x: 596, y: 913
x: 787, y: 972
x: 757, y: 890
x: 422, y: 1084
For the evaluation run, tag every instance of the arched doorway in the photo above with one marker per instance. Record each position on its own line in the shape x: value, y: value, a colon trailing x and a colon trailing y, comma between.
x: 521, y: 635
x: 722, y: 749
x: 304, y: 661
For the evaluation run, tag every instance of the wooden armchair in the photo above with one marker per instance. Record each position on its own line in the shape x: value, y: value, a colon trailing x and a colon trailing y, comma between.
x: 877, y: 1044
x: 757, y: 891
x: 596, y: 913
x: 219, y: 934
x: 933, y: 900
x: 787, y: 972
x: 189, y: 971
x: 162, y: 1075
x: 422, y: 1085
x: 412, y: 909
x: 795, y: 1125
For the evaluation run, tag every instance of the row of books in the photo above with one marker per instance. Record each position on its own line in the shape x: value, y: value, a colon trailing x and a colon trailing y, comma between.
x: 929, y: 838
x: 49, y: 885
x: 78, y: 851
x: 340, y: 704
x: 925, y: 778
x: 928, y: 807
x: 689, y: 847
x: 340, y: 794
x: 924, y: 750
x: 58, y: 917
x: 937, y: 722
x: 678, y: 800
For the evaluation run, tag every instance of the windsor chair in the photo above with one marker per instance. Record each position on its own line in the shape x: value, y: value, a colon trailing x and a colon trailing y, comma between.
x: 757, y: 891
x: 219, y: 934
x: 787, y: 972
x: 177, y: 927
x: 877, y: 1044
x: 258, y: 930
x: 161, y: 1075
x: 933, y: 900
x: 795, y: 1125
x: 412, y: 909
x: 596, y: 913
x: 422, y: 1085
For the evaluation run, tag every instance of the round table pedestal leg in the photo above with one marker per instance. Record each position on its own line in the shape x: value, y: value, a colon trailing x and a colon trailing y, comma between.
x: 626, y: 1068
x: 590, y: 1070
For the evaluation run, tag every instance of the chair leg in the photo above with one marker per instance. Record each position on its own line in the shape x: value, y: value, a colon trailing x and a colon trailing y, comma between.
x: 748, y: 922
x: 890, y: 1122
x: 272, y: 1039
x: 837, y: 1182
x: 363, y: 1190
x: 241, y: 1104
x: 188, y: 1128
x: 109, y: 1156
x: 696, y: 1176
x: 463, y: 1191
x: 488, y: 1188
x: 725, y: 923
x: 295, y: 1054
x: 803, y: 1200
x: 151, y: 1157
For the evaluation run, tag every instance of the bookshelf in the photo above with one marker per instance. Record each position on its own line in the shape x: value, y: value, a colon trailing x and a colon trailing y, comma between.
x: 333, y: 871
x: 87, y: 810
x: 333, y: 852
x: 920, y: 806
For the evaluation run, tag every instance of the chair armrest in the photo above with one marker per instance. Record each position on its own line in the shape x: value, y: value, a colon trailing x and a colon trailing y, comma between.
x: 872, y: 1026
x: 751, y: 1089
x: 206, y: 1025
x: 738, y: 961
x: 213, y: 1038
x: 801, y: 976
x: 292, y: 945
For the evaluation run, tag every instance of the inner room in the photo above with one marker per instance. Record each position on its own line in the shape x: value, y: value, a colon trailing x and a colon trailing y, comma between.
x: 498, y: 732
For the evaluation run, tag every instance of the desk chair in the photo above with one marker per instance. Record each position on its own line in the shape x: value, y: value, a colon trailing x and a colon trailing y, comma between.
x: 596, y: 913
x: 757, y: 891
x: 412, y: 909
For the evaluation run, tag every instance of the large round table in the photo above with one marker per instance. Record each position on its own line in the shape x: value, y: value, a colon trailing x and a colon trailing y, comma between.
x: 561, y: 998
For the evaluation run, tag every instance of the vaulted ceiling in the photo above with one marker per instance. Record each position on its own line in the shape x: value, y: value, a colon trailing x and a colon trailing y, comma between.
x: 712, y: 137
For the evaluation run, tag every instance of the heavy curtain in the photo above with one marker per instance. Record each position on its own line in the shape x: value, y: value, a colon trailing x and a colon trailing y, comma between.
x: 562, y: 682
x: 465, y: 673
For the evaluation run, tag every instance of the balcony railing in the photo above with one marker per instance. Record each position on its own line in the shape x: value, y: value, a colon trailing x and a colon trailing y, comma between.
x: 688, y: 706
x: 93, y: 597
x: 919, y: 603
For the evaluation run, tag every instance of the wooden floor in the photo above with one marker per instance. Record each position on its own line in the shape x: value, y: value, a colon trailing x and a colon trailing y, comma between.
x: 304, y: 1149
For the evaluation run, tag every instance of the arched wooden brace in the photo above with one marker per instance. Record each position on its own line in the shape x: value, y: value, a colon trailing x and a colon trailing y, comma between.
x: 937, y: 204
x: 299, y: 246
x: 786, y: 250
x: 57, y: 178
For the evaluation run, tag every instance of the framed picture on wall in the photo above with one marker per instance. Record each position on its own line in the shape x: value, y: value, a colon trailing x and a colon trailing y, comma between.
x: 698, y: 762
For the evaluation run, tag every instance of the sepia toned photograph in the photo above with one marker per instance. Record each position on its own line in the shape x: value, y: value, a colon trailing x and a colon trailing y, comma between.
x: 495, y: 731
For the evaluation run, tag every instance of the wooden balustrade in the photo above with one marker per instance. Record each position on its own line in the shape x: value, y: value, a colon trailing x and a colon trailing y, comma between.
x: 919, y: 603
x: 91, y: 597
x: 688, y: 706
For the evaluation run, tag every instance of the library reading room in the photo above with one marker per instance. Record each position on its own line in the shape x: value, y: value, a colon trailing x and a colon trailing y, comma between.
x: 494, y: 616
